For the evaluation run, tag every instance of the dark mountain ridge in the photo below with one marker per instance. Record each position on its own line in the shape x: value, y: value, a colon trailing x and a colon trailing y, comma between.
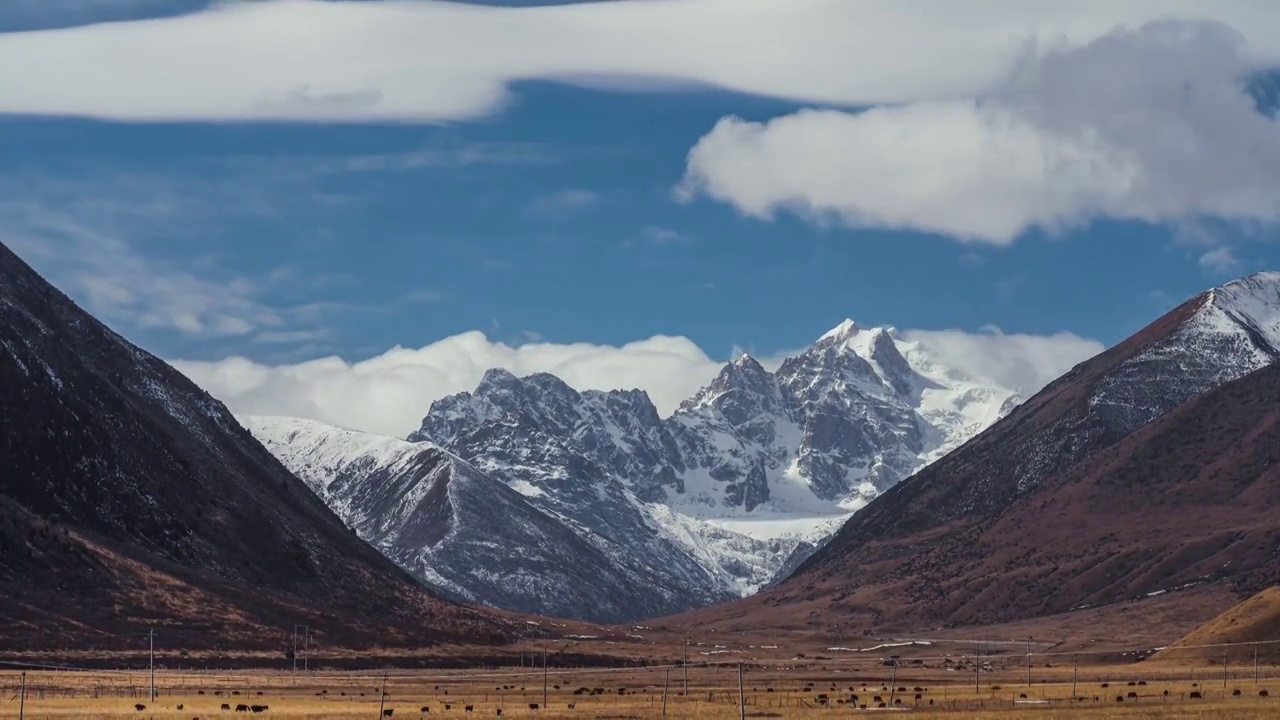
x: 130, y: 497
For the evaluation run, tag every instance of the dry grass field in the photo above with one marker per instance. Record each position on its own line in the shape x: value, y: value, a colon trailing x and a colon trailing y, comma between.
x: 831, y: 687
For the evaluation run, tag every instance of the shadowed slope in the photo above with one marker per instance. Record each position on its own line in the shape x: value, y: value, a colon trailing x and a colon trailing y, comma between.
x: 129, y: 497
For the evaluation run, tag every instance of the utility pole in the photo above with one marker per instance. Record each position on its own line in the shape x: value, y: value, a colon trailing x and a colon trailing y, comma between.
x: 382, y: 696
x: 307, y: 630
x: 151, y: 634
x: 665, y: 681
x: 1028, y: 661
x: 893, y: 683
x: 1255, y: 663
x: 306, y: 647
x: 1075, y: 672
x: 22, y: 696
x: 544, y: 677
x: 977, y: 667
x: 1224, y: 669
x: 742, y: 700
x: 684, y: 660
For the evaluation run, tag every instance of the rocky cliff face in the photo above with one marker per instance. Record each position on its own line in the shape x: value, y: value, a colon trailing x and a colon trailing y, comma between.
x: 744, y: 479
x: 471, y: 536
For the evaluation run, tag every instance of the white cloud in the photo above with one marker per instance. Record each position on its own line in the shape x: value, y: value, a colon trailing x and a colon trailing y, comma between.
x: 662, y: 236
x: 437, y: 61
x: 1220, y: 260
x: 1150, y: 124
x: 390, y: 393
x: 562, y: 202
x: 450, y: 157
x: 117, y: 283
x: 1020, y: 360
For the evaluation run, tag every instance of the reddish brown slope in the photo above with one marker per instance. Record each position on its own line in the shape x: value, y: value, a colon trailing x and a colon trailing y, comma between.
x: 1191, y: 497
x: 1256, y: 620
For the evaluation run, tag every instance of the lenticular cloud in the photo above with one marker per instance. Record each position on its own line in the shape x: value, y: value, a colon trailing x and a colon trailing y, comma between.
x: 428, y: 61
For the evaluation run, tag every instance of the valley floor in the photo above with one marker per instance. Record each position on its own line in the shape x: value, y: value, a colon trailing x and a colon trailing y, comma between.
x: 1098, y: 662
x: 1113, y: 691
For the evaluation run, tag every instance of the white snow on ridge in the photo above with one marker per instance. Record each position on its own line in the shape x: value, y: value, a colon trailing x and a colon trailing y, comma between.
x: 1252, y: 301
x: 328, y: 450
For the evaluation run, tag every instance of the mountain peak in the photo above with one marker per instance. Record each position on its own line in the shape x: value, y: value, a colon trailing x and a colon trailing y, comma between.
x: 498, y: 376
x: 743, y: 375
x: 1247, y: 308
x: 1259, y: 290
x: 747, y: 363
x: 845, y: 330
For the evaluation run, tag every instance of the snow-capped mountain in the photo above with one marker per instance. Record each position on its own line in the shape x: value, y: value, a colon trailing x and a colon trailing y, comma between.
x: 544, y: 482
x: 746, y: 477
x: 469, y: 535
x: 1114, y: 481
x: 833, y: 426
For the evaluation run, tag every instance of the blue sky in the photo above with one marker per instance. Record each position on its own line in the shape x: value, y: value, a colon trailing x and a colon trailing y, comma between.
x: 569, y: 230
x: 554, y: 217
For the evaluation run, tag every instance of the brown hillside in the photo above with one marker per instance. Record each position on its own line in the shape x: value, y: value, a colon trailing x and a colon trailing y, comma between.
x: 1256, y: 620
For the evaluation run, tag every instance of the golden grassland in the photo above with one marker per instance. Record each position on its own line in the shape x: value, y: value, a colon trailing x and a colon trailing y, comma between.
x: 1135, y: 690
